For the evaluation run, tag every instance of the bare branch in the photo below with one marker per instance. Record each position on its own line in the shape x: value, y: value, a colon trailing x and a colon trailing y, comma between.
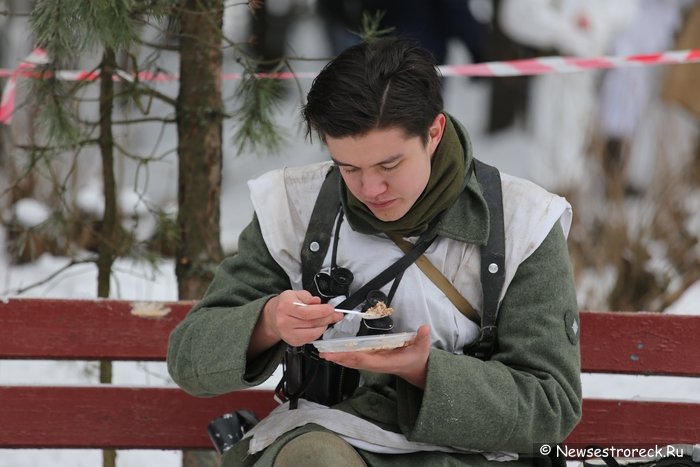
x: 50, y: 277
x: 145, y: 120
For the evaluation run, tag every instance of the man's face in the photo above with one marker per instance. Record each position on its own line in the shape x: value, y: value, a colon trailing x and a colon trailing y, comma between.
x: 385, y: 169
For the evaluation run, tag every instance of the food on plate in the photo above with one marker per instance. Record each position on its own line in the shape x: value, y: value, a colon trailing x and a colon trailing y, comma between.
x: 379, y: 310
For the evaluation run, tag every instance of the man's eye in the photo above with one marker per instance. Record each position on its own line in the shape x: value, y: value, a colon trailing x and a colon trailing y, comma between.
x: 386, y: 168
x: 349, y: 170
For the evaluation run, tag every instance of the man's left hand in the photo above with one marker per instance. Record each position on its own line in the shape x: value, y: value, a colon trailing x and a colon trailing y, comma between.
x: 409, y: 362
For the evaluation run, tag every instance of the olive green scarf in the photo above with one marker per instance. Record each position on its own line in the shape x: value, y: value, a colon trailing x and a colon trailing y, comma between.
x: 446, y: 182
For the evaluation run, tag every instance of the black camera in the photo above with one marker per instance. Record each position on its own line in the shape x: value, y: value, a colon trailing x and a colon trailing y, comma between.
x: 227, y: 430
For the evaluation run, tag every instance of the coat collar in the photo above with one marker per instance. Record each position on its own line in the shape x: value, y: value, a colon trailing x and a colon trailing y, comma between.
x: 467, y: 220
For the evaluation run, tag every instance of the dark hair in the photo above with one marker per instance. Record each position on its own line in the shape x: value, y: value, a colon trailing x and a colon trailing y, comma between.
x: 387, y: 83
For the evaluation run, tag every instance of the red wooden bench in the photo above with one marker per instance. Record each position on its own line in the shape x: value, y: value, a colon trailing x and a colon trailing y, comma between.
x: 108, y: 416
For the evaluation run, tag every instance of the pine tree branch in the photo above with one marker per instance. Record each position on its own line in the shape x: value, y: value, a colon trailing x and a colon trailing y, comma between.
x: 147, y: 91
x: 13, y: 14
x: 50, y: 277
x: 140, y: 158
x: 57, y: 148
x: 156, y: 46
x: 136, y: 121
x: 138, y: 89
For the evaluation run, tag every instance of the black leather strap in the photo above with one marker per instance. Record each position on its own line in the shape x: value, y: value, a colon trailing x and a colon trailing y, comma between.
x: 492, y: 261
x: 386, y: 275
x: 320, y: 228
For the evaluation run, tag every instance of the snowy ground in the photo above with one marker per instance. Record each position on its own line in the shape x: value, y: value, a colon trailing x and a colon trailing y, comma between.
x: 513, y: 151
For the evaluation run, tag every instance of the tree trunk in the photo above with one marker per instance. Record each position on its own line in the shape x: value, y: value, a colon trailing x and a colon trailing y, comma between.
x: 199, y: 125
x: 110, y: 231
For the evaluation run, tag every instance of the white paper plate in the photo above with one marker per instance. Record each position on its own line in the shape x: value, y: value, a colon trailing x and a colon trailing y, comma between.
x: 356, y: 344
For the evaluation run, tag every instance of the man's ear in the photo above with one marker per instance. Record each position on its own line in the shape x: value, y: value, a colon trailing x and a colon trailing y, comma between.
x: 435, y: 132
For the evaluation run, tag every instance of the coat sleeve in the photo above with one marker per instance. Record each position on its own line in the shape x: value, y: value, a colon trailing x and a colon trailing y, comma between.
x: 207, y: 350
x: 529, y: 392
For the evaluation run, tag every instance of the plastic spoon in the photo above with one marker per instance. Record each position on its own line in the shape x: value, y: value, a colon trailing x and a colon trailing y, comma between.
x: 363, y: 314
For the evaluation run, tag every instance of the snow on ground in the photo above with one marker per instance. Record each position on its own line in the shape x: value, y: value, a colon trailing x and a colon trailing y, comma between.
x: 513, y: 151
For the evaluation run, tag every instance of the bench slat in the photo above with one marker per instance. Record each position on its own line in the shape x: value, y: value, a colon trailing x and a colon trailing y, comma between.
x: 640, y: 343
x: 87, y: 417
x: 648, y: 343
x: 619, y: 423
x: 84, y: 330
x: 165, y: 418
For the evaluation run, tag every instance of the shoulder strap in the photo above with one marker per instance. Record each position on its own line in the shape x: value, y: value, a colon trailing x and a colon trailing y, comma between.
x: 386, y: 275
x: 439, y: 279
x: 319, y: 230
x: 492, y: 261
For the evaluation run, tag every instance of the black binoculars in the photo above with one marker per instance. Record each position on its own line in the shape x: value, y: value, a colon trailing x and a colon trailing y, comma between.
x: 333, y: 284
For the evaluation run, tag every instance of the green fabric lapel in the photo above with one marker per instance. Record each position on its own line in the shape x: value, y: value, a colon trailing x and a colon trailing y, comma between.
x: 467, y: 220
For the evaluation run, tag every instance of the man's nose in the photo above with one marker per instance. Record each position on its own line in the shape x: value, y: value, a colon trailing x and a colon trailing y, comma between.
x: 373, y: 185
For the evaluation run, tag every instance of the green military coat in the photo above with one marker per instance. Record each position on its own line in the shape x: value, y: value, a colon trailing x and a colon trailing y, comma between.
x: 528, y: 393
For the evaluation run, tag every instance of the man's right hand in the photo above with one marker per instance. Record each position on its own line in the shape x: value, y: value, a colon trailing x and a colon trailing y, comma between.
x: 281, y: 319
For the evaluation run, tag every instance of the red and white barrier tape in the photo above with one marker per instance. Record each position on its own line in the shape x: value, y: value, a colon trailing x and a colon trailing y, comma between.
x: 549, y: 65
x: 7, y: 104
x: 534, y: 66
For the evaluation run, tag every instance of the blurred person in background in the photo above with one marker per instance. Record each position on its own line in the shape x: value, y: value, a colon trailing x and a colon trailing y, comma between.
x: 681, y: 84
x: 270, y: 25
x: 508, y: 104
x: 432, y: 24
x: 626, y: 93
x: 561, y: 107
